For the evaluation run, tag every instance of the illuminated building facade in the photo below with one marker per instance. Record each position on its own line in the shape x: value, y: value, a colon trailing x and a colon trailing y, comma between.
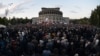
x: 53, y: 15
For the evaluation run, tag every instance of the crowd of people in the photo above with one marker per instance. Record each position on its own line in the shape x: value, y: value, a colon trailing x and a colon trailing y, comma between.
x: 74, y: 40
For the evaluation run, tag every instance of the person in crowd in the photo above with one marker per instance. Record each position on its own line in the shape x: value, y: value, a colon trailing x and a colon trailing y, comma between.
x: 51, y: 40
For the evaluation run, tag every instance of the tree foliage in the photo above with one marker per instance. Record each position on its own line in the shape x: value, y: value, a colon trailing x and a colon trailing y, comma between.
x: 80, y: 21
x: 14, y: 20
x: 3, y: 20
x: 95, y: 17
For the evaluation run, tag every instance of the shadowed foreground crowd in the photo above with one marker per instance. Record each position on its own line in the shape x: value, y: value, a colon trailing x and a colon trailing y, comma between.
x: 50, y: 41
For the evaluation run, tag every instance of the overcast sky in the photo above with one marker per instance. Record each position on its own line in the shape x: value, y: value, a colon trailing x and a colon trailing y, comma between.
x: 73, y: 9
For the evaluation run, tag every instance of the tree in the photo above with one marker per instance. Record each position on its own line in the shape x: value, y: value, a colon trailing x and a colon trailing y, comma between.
x: 95, y: 17
x: 13, y: 21
x: 80, y: 21
x: 84, y: 21
x: 3, y: 21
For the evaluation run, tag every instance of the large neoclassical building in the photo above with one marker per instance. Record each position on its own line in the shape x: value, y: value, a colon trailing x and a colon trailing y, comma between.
x: 53, y: 15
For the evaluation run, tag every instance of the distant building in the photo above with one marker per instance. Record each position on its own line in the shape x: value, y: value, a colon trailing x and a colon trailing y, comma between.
x: 53, y: 15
